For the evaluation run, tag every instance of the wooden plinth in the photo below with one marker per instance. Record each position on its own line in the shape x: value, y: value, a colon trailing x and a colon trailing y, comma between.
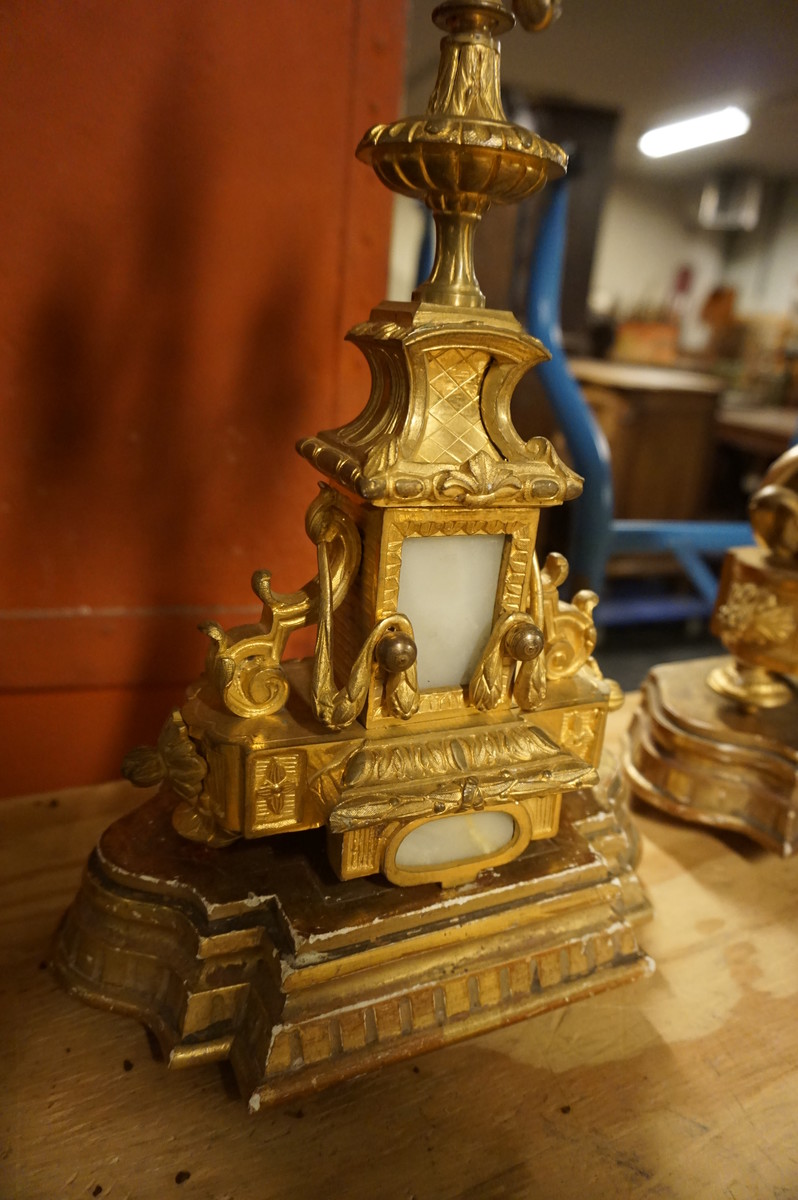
x: 258, y: 954
x: 703, y: 758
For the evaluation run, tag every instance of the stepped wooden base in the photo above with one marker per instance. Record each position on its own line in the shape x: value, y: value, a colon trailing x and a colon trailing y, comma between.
x: 258, y: 954
x: 703, y: 758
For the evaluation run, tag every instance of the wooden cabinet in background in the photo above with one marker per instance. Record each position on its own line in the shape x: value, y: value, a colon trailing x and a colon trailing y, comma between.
x: 659, y: 423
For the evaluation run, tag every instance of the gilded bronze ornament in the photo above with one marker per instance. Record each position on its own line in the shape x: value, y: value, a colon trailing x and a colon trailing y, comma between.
x: 717, y: 742
x: 463, y: 154
x: 445, y: 737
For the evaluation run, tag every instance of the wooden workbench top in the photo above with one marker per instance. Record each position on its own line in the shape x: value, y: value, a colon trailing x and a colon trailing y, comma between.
x: 760, y: 430
x: 644, y: 378
x: 682, y: 1085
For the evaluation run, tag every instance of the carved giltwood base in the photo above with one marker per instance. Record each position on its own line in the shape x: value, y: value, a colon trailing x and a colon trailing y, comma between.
x: 259, y: 955
x: 704, y: 758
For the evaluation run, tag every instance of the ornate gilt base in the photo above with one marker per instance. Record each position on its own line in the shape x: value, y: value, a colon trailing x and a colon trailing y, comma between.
x: 704, y: 758
x: 259, y: 955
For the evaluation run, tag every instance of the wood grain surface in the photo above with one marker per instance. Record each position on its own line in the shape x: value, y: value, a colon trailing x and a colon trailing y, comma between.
x: 682, y: 1085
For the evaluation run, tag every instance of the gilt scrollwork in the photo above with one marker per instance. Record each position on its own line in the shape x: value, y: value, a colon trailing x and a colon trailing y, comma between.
x: 437, y: 430
x: 389, y: 647
x: 569, y: 628
x: 244, y: 663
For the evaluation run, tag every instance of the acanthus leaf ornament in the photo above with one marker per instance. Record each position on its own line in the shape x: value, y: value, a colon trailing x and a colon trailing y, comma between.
x: 174, y: 760
x: 481, y: 478
x: 756, y: 612
x: 753, y: 614
x: 176, y: 763
x: 515, y: 638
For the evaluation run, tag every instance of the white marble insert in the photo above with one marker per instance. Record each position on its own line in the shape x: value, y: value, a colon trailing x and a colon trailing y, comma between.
x: 455, y: 839
x: 447, y: 587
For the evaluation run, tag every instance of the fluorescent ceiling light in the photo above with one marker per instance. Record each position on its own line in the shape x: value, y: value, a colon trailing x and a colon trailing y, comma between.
x: 729, y: 122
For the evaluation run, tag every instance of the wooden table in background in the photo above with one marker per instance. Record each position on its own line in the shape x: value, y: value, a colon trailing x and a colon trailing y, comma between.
x: 682, y: 1085
x: 765, y: 432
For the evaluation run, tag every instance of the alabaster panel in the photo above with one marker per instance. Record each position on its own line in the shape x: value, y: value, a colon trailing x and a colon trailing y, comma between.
x: 447, y: 587
x: 455, y: 839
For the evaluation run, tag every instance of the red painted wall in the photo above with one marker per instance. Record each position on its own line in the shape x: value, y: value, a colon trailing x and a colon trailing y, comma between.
x: 186, y: 239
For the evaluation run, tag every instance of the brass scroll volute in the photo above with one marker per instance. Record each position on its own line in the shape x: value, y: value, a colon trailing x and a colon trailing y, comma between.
x: 244, y: 663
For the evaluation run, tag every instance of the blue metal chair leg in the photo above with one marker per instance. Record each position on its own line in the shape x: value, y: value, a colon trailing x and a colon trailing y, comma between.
x: 596, y: 535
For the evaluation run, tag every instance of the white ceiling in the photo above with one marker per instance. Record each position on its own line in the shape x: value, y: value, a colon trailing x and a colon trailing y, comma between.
x: 655, y: 60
